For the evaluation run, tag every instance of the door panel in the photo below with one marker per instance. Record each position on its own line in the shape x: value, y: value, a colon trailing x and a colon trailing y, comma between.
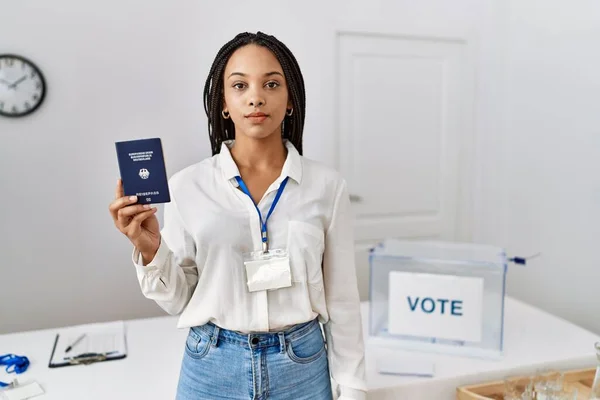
x: 403, y: 122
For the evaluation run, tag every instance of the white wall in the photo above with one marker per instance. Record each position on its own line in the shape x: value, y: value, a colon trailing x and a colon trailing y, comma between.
x: 547, y: 181
x: 128, y: 69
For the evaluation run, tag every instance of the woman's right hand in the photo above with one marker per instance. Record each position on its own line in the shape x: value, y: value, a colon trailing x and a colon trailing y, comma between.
x: 136, y: 221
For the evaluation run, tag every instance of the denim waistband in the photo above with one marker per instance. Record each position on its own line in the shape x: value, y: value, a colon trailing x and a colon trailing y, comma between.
x: 254, y: 340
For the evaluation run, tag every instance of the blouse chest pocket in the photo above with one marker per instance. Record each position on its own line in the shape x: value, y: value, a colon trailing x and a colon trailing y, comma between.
x: 306, y: 244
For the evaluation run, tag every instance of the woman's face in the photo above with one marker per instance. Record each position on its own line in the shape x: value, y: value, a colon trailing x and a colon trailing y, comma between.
x: 256, y: 94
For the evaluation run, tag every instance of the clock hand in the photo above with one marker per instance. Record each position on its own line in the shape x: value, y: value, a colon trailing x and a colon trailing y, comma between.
x: 14, y: 85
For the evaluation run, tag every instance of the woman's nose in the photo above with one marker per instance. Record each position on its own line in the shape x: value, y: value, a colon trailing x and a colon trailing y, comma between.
x: 255, y: 99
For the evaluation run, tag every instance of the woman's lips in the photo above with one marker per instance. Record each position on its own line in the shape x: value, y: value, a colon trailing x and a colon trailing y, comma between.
x: 257, y: 118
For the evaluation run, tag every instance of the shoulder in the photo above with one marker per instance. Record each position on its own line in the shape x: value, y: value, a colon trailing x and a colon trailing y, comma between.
x: 193, y: 173
x: 329, y: 186
x: 319, y: 174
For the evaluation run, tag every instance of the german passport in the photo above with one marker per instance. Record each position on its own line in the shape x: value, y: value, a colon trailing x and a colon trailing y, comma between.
x: 143, y: 171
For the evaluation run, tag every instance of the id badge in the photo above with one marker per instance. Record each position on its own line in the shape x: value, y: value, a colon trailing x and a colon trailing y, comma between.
x: 267, y: 271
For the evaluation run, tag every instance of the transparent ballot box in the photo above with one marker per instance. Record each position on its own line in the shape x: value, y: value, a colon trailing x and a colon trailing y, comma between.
x: 438, y: 296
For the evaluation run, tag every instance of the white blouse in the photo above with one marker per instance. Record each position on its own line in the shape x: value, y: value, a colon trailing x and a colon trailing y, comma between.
x: 210, y: 223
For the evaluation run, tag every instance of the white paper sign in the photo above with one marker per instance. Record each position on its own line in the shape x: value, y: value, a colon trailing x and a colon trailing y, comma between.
x: 436, y: 306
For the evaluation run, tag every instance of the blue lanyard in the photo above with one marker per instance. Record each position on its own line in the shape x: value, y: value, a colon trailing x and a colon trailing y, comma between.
x: 263, y: 224
x: 16, y: 364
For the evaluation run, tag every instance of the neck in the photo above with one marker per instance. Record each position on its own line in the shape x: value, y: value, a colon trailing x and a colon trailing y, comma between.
x: 259, y: 154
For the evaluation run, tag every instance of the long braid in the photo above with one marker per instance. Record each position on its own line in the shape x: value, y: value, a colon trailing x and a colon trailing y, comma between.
x: 220, y: 129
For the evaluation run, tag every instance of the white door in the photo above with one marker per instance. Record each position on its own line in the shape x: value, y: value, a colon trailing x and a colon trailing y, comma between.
x: 404, y: 112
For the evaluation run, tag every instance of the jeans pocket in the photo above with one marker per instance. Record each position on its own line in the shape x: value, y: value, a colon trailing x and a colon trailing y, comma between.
x: 306, y: 349
x: 197, y: 345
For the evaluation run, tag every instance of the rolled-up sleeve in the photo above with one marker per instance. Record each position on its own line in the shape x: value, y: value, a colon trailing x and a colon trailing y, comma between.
x: 171, y: 277
x: 343, y: 330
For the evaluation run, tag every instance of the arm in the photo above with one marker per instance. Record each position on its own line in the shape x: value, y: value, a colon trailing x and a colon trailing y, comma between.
x: 345, y: 346
x: 171, y: 276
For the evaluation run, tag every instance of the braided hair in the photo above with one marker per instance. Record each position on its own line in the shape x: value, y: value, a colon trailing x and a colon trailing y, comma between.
x: 219, y: 129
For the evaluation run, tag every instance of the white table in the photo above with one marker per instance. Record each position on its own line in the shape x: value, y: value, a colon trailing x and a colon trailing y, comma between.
x: 533, y: 339
x: 155, y: 349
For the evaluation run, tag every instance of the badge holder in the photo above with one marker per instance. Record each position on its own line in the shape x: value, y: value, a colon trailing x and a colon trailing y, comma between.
x: 267, y: 270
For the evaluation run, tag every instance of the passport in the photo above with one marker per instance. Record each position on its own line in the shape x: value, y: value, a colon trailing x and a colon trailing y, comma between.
x: 143, y: 171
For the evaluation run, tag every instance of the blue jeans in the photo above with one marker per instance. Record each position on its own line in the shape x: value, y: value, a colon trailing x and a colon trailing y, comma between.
x: 223, y: 364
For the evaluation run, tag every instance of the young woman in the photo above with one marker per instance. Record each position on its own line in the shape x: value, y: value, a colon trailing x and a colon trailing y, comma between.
x: 257, y: 245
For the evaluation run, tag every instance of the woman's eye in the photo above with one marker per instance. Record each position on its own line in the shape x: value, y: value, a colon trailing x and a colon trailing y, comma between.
x: 238, y: 85
x: 272, y: 84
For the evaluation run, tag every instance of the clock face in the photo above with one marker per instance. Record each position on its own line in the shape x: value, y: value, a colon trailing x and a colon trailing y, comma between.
x: 22, y: 86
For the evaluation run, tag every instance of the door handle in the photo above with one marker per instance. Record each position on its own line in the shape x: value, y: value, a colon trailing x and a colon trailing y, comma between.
x: 355, y: 198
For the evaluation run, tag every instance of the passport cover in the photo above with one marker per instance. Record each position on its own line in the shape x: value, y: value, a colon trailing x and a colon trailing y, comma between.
x: 143, y: 171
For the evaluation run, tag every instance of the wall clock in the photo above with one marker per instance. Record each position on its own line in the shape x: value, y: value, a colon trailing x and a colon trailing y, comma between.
x: 22, y: 86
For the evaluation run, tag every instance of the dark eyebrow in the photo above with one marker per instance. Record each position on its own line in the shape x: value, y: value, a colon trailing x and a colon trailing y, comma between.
x: 244, y: 75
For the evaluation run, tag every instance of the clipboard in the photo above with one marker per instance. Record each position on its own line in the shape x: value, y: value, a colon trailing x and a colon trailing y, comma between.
x: 100, y: 342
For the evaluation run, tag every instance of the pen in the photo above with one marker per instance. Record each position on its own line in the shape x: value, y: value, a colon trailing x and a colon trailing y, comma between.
x: 74, y: 343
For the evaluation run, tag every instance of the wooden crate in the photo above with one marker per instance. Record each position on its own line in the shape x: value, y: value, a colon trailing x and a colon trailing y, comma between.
x: 581, y: 379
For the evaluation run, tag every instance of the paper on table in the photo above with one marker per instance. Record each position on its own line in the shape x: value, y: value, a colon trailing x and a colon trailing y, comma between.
x: 22, y: 392
x: 408, y: 365
x: 100, y: 338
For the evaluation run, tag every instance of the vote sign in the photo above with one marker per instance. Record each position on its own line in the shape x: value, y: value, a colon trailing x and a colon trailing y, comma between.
x: 435, y: 306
